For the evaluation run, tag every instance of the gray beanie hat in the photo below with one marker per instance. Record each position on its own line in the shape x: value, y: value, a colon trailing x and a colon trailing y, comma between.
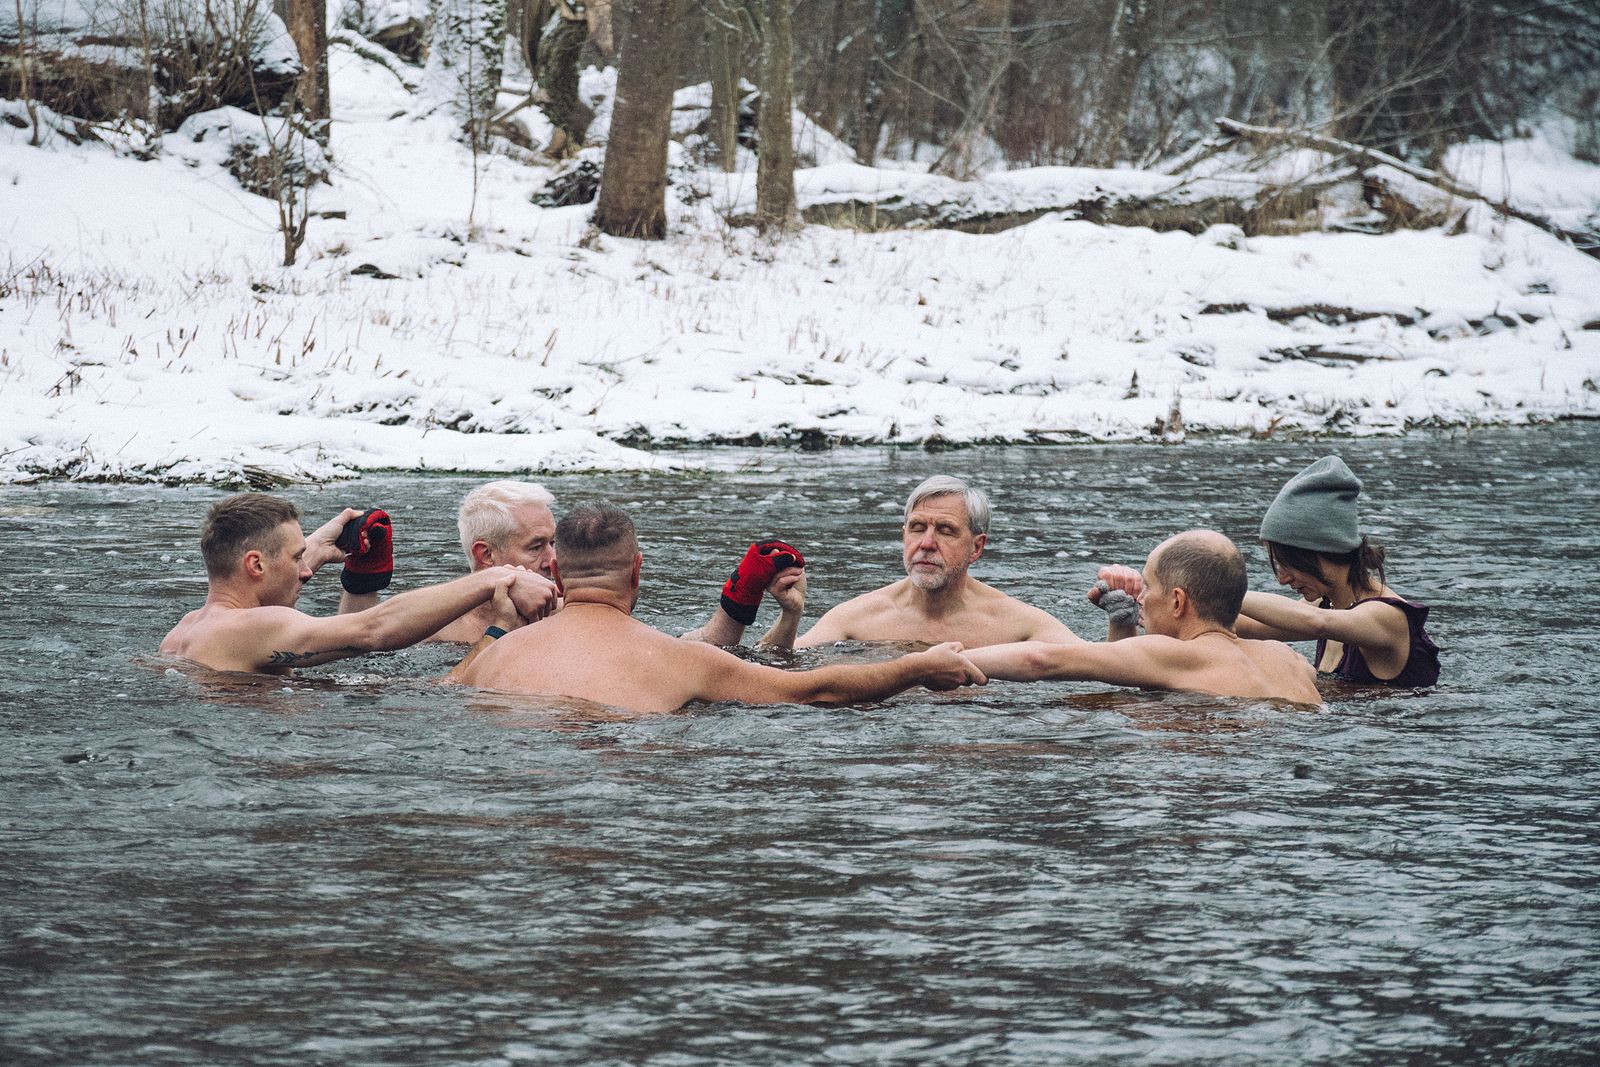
x: 1316, y: 510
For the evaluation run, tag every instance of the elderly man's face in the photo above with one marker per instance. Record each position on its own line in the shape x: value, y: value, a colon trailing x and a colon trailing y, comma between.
x: 937, y: 542
x: 533, y: 545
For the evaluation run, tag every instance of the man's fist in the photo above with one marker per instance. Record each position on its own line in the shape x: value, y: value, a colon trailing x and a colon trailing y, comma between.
x: 368, y: 543
x: 944, y: 668
x: 534, y: 595
x: 1116, y: 592
x: 741, y: 594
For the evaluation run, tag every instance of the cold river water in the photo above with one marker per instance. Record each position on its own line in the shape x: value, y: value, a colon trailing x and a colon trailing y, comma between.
x: 355, y: 866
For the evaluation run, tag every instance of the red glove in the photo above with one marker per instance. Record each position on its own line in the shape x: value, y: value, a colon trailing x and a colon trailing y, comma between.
x: 368, y: 541
x: 742, y: 593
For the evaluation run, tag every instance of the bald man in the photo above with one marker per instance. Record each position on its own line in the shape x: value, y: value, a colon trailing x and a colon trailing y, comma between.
x: 1193, y: 586
x: 594, y: 649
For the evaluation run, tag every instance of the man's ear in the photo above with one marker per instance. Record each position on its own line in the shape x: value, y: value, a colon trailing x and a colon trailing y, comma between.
x: 482, y: 555
x: 254, y: 563
x: 638, y: 566
x: 555, y: 575
x: 978, y: 544
x: 1181, y: 604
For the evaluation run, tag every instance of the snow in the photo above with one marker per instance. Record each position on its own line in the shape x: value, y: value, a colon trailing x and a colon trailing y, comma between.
x: 147, y: 330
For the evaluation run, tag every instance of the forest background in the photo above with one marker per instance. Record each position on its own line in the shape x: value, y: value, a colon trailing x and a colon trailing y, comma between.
x: 256, y: 243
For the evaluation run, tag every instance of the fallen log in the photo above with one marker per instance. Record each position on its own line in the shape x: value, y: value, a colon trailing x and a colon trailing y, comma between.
x: 1370, y: 159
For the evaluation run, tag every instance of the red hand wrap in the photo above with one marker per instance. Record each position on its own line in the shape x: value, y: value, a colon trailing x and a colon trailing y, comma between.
x: 368, y: 541
x: 741, y: 594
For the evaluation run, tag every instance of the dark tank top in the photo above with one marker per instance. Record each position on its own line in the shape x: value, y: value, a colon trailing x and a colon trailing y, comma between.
x: 1422, y: 666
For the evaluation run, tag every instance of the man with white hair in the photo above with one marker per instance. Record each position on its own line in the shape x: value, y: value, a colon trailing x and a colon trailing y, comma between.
x: 509, y: 523
x: 502, y: 523
x: 946, y: 527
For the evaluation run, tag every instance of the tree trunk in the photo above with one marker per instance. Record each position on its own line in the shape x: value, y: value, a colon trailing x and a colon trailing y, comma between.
x: 1125, y: 54
x: 633, y: 184
x: 525, y: 21
x: 557, y: 74
x: 775, y: 201
x: 726, y: 31
x: 308, y: 25
x: 891, y: 23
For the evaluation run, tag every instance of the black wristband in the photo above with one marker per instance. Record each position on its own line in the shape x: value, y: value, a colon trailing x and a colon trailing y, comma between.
x: 364, y: 583
x: 744, y: 614
x: 496, y: 632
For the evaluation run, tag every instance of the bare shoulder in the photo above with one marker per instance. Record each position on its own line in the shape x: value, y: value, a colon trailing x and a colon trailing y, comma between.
x: 838, y: 622
x: 1266, y: 650
x: 1029, y: 623
x: 868, y: 603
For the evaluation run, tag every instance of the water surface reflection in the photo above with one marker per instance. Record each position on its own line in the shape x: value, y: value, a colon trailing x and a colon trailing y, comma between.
x: 356, y: 865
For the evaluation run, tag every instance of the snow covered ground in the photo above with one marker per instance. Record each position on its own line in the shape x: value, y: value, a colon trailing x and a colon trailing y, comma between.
x: 148, y: 332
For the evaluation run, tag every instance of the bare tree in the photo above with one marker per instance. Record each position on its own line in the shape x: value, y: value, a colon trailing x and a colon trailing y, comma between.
x: 556, y: 69
x: 775, y: 200
x: 1406, y: 80
x: 308, y: 25
x: 24, y: 76
x: 891, y: 26
x: 1126, y: 48
x: 633, y: 183
x: 728, y: 25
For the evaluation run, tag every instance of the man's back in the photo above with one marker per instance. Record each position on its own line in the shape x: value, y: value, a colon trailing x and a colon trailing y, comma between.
x: 594, y: 652
x: 1233, y: 666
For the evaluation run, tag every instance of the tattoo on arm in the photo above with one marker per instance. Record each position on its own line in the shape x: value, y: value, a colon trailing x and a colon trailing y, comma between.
x: 289, y: 659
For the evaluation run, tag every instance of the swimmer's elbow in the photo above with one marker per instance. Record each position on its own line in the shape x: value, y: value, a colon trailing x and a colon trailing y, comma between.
x: 1040, y: 662
x: 1029, y: 661
x: 379, y: 631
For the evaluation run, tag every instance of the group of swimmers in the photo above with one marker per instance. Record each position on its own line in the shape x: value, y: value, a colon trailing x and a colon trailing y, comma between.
x: 548, y: 607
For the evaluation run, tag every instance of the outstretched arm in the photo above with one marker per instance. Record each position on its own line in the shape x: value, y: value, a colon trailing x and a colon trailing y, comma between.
x: 940, y: 667
x: 288, y: 638
x: 1372, y: 627
x: 1151, y: 661
x: 767, y: 567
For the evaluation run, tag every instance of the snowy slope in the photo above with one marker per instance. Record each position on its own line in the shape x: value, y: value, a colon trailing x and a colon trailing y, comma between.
x: 147, y: 330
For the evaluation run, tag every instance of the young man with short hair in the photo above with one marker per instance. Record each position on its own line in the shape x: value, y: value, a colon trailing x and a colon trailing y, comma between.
x: 257, y: 558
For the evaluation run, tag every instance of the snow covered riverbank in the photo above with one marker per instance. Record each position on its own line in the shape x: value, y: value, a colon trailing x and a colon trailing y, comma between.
x: 146, y: 331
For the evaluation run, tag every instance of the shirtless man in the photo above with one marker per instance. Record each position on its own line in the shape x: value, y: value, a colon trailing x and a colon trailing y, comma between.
x: 594, y: 648
x: 946, y: 528
x: 257, y: 559
x: 502, y: 523
x: 1193, y: 586
x: 509, y: 522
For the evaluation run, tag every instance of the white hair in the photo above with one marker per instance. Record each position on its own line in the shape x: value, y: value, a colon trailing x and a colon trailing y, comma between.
x: 485, y: 514
x: 976, y: 500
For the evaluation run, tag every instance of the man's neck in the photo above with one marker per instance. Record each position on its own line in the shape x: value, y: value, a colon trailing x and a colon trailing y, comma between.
x: 1192, y: 629
x: 938, y: 603
x: 229, y: 595
x: 598, y: 597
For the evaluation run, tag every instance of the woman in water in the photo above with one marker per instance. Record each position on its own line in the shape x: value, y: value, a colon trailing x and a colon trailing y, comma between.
x: 1371, y: 635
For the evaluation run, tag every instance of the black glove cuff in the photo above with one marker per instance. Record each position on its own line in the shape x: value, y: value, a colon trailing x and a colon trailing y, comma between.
x: 364, y: 583
x: 740, y: 613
